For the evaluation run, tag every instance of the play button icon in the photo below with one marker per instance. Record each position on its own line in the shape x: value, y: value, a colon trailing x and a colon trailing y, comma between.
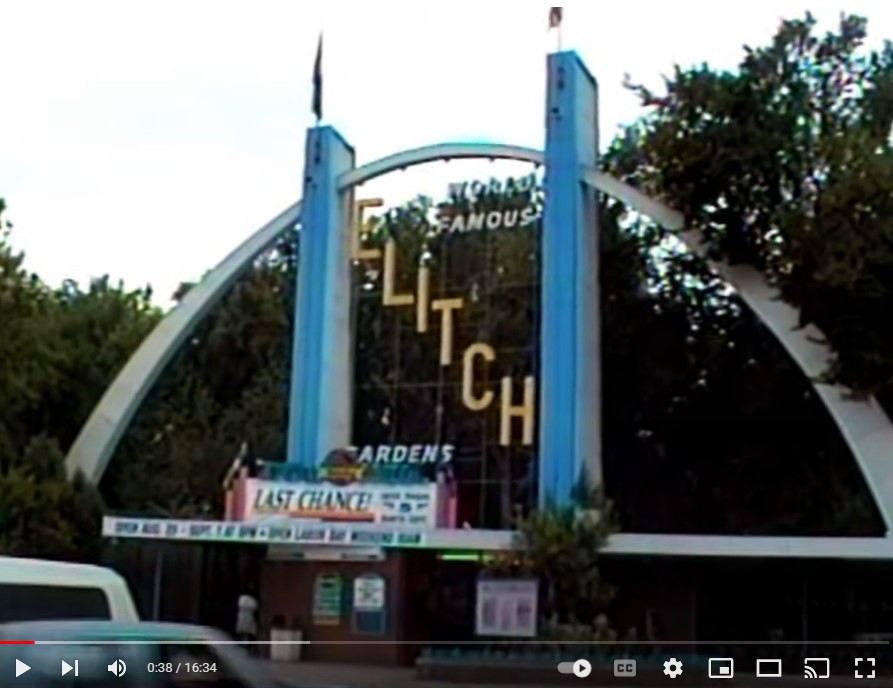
x: 582, y: 668
x: 21, y: 668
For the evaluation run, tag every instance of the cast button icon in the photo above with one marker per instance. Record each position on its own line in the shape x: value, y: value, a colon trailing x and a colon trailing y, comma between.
x: 816, y: 667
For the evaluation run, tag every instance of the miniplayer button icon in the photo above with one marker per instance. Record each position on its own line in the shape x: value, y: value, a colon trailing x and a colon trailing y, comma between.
x: 721, y: 667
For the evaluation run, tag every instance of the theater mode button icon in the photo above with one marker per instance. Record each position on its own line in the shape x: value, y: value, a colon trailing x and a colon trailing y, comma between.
x: 769, y: 668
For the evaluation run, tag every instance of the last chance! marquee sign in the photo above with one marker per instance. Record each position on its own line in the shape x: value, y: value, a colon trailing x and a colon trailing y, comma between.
x: 413, y: 505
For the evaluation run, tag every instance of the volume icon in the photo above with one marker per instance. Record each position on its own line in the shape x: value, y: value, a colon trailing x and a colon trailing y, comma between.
x: 118, y: 667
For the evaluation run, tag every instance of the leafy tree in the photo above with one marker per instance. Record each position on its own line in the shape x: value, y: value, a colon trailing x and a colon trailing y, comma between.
x: 786, y: 165
x: 44, y: 515
x: 59, y: 351
x: 228, y: 385
x: 561, y: 549
x: 783, y: 164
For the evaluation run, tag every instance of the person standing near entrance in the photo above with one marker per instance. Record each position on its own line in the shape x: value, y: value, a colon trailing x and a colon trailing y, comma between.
x: 246, y: 617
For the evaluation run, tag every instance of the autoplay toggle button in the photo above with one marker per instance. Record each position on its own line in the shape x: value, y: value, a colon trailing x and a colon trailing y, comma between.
x: 582, y: 668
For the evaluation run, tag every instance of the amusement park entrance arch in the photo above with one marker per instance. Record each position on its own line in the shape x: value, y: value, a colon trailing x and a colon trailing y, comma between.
x: 568, y: 442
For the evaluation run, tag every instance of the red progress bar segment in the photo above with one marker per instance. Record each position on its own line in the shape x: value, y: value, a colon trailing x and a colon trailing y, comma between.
x: 16, y: 642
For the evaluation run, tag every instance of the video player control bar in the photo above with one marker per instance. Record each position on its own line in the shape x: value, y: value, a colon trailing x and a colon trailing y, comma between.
x: 724, y: 668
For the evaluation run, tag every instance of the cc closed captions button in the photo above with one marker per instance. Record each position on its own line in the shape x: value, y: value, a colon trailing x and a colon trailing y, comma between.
x: 625, y: 668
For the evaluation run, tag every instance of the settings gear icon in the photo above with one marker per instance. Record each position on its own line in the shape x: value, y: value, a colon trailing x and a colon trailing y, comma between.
x: 672, y: 667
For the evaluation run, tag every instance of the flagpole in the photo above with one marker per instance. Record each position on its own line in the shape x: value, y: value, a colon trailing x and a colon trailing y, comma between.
x: 317, y: 83
x: 555, y: 21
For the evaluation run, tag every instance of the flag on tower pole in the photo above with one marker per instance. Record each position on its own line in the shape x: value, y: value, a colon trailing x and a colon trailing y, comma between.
x: 555, y: 17
x: 317, y: 82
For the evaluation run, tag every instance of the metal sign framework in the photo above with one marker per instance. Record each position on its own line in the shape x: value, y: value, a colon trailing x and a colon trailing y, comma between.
x: 572, y: 178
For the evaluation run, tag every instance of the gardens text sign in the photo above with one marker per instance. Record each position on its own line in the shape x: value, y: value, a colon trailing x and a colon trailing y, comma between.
x: 404, y: 453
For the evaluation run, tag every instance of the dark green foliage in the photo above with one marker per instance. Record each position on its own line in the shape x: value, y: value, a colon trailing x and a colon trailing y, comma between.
x: 561, y: 550
x: 59, y: 349
x: 228, y: 385
x: 787, y: 165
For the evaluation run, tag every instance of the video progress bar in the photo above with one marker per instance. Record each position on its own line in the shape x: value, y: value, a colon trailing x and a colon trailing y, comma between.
x: 592, y: 643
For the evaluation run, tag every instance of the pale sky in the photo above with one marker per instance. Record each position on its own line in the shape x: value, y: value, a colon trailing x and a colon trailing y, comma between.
x: 147, y: 139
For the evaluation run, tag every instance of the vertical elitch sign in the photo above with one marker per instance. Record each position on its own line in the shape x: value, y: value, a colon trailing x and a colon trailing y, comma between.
x: 514, y: 408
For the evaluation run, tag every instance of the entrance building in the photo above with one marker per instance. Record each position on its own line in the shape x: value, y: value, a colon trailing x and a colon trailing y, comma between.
x: 398, y: 361
x: 394, y: 466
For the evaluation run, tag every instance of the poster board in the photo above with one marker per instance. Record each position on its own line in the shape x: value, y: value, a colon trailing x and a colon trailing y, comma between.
x: 328, y: 599
x: 506, y: 608
x: 369, y: 604
x: 369, y: 593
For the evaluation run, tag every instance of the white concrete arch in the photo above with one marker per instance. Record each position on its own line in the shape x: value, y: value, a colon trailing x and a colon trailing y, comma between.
x: 93, y: 448
x: 863, y: 424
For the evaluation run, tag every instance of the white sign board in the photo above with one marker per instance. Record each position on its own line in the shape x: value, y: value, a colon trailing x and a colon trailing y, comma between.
x: 369, y: 593
x: 262, y: 534
x: 405, y: 505
x: 506, y: 608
